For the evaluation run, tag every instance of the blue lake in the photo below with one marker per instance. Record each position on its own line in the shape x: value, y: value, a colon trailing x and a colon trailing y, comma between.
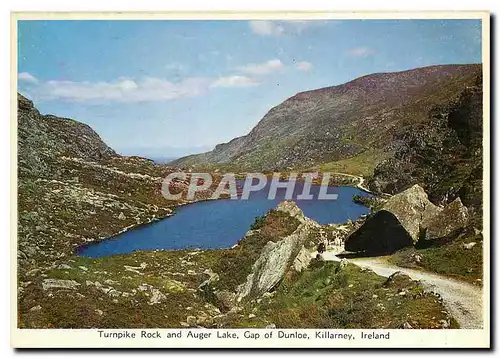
x: 221, y: 223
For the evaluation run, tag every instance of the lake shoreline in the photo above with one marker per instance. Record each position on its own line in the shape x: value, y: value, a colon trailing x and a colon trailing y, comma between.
x: 155, y: 219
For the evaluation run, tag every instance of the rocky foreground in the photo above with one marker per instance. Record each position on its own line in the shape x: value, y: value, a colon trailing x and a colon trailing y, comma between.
x: 271, y: 279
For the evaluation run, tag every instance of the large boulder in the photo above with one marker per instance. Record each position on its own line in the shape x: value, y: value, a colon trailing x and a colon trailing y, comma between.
x: 412, y: 208
x: 398, y: 224
x: 454, y: 217
x: 277, y: 257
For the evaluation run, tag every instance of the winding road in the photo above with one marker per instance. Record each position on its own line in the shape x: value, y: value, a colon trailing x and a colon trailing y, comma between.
x: 360, y: 180
x: 463, y: 300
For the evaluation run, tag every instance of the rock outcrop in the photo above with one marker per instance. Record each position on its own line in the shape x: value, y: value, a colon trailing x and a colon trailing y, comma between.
x: 454, y: 216
x: 277, y: 257
x: 412, y: 208
x: 405, y: 220
x: 302, y: 260
x: 442, y: 153
x: 396, y: 225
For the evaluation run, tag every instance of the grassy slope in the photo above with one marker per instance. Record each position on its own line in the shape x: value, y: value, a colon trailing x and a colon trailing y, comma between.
x: 450, y: 259
x: 362, y: 164
x: 326, y: 297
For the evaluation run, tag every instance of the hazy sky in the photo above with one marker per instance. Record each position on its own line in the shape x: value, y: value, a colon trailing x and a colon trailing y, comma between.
x: 148, y: 86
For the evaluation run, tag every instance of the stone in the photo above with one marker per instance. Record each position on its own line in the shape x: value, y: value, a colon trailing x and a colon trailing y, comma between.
x: 302, y: 260
x: 110, y: 282
x: 469, y: 245
x: 251, y: 315
x: 191, y: 321
x: 156, y: 296
x: 63, y: 267
x: 226, y: 299
x: 396, y: 225
x: 35, y: 308
x: 454, y: 217
x: 291, y: 209
x: 406, y: 325
x: 122, y: 216
x: 55, y: 283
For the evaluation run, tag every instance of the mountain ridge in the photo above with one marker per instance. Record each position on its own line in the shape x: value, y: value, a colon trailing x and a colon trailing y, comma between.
x: 338, y: 122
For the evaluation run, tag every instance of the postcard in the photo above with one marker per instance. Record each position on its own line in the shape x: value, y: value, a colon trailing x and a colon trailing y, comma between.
x: 251, y: 180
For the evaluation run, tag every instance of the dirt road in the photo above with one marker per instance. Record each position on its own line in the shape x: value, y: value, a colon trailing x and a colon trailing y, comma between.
x: 462, y: 299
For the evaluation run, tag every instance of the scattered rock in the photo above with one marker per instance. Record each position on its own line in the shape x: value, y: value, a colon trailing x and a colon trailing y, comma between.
x: 226, y: 299
x: 35, y: 308
x: 55, y: 283
x: 469, y: 245
x: 406, y: 325
x: 156, y: 296
x: 191, y: 321
x: 110, y: 282
x: 122, y: 216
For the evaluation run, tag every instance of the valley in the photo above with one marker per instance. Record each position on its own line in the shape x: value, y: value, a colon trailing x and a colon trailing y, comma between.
x: 413, y: 139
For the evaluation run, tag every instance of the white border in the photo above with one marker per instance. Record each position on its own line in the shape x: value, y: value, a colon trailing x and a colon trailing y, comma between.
x: 146, y: 5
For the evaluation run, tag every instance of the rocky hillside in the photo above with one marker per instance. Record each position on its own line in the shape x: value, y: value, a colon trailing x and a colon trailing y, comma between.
x: 353, y: 121
x: 443, y: 153
x: 74, y: 189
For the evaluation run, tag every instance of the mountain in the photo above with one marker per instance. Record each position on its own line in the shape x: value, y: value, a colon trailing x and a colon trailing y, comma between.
x: 74, y: 189
x: 359, y: 122
x: 444, y: 153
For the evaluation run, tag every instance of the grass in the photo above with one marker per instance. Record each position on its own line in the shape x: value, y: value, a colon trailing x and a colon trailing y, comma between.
x: 326, y: 296
x: 176, y: 274
x: 450, y: 259
x: 362, y: 164
x: 371, y: 202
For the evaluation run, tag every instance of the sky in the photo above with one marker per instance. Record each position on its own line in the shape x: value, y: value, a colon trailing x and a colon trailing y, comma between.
x: 170, y: 88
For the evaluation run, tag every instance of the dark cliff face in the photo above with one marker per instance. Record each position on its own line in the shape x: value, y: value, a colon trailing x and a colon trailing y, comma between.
x: 443, y: 154
x: 339, y: 122
x: 44, y: 138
